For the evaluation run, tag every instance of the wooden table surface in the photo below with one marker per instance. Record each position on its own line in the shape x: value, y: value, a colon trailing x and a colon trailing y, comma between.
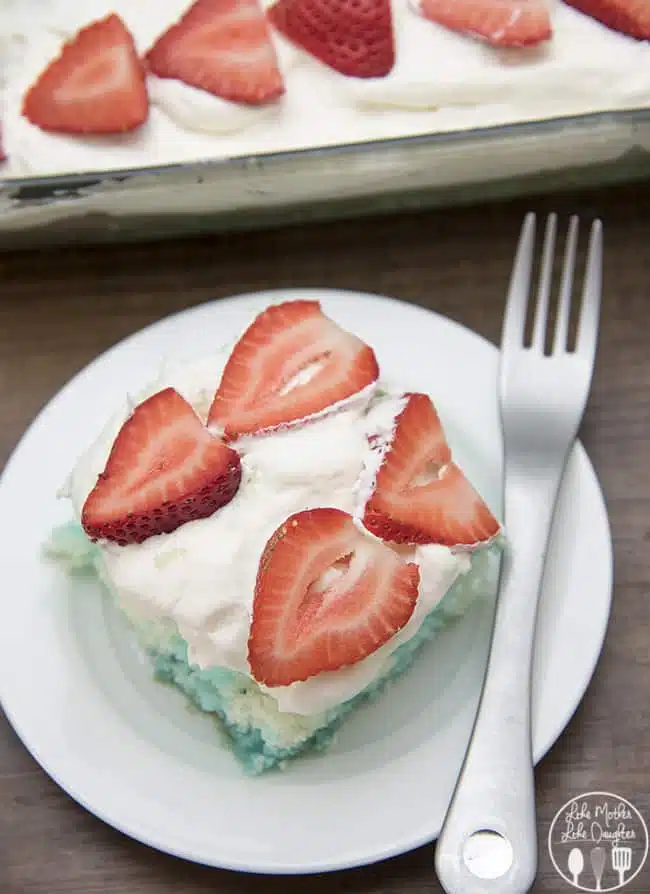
x: 59, y: 310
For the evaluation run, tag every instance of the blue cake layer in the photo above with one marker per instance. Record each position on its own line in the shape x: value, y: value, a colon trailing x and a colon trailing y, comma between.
x: 216, y: 689
x: 262, y: 736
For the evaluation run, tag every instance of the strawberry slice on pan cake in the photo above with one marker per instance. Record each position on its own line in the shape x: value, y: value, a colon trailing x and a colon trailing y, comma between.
x: 165, y: 469
x: 631, y: 17
x: 95, y: 86
x: 223, y: 47
x: 292, y: 363
x: 327, y: 595
x: 501, y: 23
x: 354, y: 37
x: 420, y: 495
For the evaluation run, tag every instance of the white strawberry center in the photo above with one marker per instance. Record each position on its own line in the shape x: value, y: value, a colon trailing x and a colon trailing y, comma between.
x: 430, y: 472
x: 304, y: 375
x: 332, y: 587
x: 97, y: 77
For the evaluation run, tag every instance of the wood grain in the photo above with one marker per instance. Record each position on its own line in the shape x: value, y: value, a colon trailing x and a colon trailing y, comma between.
x: 58, y: 310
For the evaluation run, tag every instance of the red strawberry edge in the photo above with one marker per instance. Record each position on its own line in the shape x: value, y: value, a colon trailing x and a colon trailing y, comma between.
x: 629, y: 17
x: 257, y: 83
x: 248, y: 399
x: 353, y: 37
x: 451, y: 493
x: 513, y: 25
x: 327, y: 596
x: 120, y: 109
x: 122, y: 509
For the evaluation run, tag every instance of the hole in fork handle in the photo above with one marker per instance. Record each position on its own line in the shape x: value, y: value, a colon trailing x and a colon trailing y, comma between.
x: 487, y: 854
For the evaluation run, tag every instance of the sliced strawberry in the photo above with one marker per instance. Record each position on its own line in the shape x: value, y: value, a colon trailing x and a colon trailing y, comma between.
x: 631, y: 17
x: 96, y: 85
x: 354, y: 37
x: 223, y: 47
x: 326, y: 596
x: 420, y: 495
x: 291, y: 363
x: 165, y: 469
x: 502, y: 23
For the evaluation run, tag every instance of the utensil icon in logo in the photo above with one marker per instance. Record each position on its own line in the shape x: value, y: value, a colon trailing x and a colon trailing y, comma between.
x: 621, y: 861
x: 598, y: 861
x: 576, y: 864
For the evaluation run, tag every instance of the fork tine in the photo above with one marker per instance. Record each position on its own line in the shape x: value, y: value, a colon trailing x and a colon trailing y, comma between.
x: 544, y: 289
x: 591, y: 294
x: 566, y: 283
x: 514, y: 319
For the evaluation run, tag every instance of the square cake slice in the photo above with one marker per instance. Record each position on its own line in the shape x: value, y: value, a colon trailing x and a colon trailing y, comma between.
x: 282, y: 532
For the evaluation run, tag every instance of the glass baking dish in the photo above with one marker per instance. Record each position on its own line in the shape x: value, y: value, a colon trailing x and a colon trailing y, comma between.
x: 261, y: 190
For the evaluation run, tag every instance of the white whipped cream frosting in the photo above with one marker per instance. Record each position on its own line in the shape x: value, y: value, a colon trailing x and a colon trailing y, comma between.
x: 202, y: 576
x: 441, y: 82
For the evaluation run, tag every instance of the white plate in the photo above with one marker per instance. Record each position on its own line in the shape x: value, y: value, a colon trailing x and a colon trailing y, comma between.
x: 82, y: 699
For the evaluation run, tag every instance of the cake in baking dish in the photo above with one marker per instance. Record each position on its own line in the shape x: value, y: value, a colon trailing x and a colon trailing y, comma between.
x: 108, y: 85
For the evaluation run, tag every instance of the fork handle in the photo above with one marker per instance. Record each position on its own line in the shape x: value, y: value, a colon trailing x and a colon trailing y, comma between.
x: 495, y: 790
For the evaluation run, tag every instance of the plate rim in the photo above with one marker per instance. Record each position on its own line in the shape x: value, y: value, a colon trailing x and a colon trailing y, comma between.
x: 587, y: 471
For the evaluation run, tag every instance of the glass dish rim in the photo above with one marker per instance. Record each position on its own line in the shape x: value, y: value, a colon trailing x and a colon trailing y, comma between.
x: 61, y: 183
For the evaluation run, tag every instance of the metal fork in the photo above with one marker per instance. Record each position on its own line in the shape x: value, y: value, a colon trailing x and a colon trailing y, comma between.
x: 543, y: 398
